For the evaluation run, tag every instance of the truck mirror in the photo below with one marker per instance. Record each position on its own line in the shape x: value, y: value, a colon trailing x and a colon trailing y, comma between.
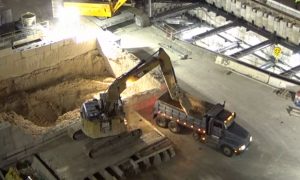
x: 224, y: 103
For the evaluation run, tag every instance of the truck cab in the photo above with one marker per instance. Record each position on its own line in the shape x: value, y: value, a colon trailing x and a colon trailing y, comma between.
x: 228, y: 135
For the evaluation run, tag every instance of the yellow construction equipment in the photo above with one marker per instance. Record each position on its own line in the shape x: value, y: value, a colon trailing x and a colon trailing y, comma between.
x: 13, y: 174
x: 95, y: 8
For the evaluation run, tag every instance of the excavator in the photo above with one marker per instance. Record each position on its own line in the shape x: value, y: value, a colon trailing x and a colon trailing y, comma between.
x: 104, y: 118
x: 104, y: 13
x: 95, y: 7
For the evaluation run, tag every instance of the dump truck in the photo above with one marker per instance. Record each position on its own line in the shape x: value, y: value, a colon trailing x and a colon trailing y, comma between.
x: 211, y: 123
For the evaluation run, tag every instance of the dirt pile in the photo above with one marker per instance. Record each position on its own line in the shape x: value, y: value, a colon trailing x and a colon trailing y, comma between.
x: 51, y: 105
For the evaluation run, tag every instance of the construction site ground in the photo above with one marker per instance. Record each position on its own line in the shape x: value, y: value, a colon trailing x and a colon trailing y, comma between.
x: 69, y: 159
x: 274, y: 152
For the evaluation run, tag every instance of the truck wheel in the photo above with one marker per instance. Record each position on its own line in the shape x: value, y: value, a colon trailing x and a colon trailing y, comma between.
x: 227, y: 151
x: 161, y: 122
x: 174, y: 127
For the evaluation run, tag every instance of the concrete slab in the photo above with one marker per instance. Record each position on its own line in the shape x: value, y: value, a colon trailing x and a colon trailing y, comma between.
x: 273, y: 154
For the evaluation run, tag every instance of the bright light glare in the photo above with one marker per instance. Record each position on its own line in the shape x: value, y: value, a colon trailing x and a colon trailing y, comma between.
x: 130, y: 81
x: 68, y: 15
x: 109, y: 44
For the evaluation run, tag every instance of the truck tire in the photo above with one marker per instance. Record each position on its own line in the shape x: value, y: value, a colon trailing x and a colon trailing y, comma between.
x: 161, y: 121
x: 174, y: 127
x: 227, y: 151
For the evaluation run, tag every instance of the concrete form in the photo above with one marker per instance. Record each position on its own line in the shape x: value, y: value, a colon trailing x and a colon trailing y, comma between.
x: 282, y: 24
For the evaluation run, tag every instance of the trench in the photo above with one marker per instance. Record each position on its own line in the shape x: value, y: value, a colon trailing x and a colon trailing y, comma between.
x: 50, y: 96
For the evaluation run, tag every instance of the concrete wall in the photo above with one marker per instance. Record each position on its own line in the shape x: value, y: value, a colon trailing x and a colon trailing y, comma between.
x: 264, y: 77
x: 15, y: 63
x: 35, y: 67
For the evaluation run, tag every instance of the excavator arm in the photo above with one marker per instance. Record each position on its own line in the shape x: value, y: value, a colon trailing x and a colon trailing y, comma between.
x: 144, y: 67
x: 109, y: 108
x: 118, y: 4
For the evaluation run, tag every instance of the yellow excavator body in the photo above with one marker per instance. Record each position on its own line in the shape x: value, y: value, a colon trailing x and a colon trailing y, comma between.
x: 13, y: 174
x: 95, y: 8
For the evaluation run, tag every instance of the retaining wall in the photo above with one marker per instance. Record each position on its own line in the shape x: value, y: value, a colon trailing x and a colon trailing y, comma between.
x: 274, y: 21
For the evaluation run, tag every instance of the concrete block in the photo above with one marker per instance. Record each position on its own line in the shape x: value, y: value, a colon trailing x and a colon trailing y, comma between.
x: 212, y: 16
x: 232, y: 7
x: 238, y: 6
x: 228, y: 5
x: 282, y: 29
x: 218, y: 3
x: 276, y: 24
x: 5, y: 52
x: 118, y: 171
x: 295, y: 34
x: 270, y: 23
x: 223, y: 4
x: 203, y: 15
x: 165, y: 156
x: 243, y: 11
x: 156, y: 160
x: 28, y: 53
x: 248, y: 13
x: 265, y: 19
x: 135, y: 166
x: 289, y: 30
x: 171, y: 152
x: 259, y: 19
x: 253, y: 15
x: 220, y: 20
x: 147, y: 163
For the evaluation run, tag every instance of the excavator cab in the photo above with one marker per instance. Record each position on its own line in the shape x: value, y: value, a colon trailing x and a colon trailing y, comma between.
x: 98, y: 121
x: 95, y: 7
x: 105, y: 117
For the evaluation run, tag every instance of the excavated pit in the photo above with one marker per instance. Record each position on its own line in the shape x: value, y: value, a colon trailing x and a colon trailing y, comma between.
x: 45, y: 107
x: 51, y: 97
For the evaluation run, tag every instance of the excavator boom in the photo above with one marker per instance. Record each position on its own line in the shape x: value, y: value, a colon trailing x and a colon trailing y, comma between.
x: 108, y: 110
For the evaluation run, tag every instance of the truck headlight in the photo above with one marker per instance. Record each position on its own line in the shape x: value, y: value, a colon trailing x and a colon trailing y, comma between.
x: 251, y: 138
x: 242, y: 148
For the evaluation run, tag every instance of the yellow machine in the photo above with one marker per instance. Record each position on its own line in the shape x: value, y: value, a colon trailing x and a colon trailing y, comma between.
x: 95, y: 8
x: 105, y: 117
x: 13, y: 174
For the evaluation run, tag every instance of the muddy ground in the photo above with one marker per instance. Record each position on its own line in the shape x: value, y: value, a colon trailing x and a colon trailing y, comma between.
x: 51, y: 105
